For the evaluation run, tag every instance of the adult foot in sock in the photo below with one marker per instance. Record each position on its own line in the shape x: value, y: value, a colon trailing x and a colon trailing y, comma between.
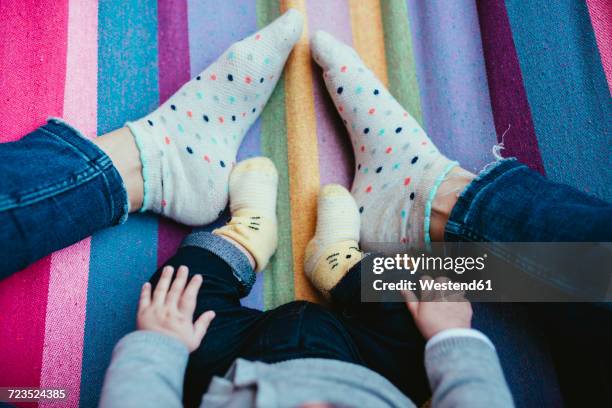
x: 188, y: 145
x: 253, y: 187
x: 334, y: 249
x: 398, y: 168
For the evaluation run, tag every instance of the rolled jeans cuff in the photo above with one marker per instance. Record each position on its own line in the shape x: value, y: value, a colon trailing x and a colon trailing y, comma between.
x: 99, y: 162
x: 456, y: 229
x: 237, y: 261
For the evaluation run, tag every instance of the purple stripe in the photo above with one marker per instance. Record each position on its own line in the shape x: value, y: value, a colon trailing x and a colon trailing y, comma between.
x: 173, y: 43
x: 213, y: 26
x: 452, y: 79
x: 508, y: 98
x: 336, y: 163
x: 173, y: 54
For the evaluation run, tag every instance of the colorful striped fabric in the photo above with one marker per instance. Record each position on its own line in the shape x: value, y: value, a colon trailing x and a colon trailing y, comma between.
x: 536, y: 76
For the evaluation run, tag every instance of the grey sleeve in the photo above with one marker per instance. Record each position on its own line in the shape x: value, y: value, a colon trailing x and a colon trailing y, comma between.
x: 465, y: 372
x: 147, y: 370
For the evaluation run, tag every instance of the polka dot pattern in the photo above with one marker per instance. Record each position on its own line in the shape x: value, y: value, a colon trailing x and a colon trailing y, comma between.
x: 190, y: 142
x: 396, y: 169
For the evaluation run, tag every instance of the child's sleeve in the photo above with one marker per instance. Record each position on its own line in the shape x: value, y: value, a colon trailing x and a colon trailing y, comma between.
x: 146, y: 370
x: 464, y: 371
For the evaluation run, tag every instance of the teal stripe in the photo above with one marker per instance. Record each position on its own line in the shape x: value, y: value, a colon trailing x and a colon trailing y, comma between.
x: 123, y: 257
x: 567, y: 91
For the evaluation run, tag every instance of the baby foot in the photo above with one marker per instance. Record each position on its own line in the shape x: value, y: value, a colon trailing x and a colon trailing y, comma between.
x: 253, y: 186
x: 188, y: 145
x: 398, y: 168
x: 334, y: 249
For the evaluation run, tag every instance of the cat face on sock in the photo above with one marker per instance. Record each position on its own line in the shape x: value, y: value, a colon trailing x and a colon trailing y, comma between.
x: 343, y: 256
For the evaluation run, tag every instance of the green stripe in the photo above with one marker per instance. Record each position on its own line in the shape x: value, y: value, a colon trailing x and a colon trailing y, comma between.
x: 278, y: 281
x: 401, y: 67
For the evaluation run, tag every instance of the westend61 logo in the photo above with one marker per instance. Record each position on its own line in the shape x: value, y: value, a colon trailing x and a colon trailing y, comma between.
x: 425, y: 263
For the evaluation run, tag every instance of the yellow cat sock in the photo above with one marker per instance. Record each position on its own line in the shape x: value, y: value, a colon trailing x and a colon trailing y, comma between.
x: 252, y: 190
x: 334, y: 249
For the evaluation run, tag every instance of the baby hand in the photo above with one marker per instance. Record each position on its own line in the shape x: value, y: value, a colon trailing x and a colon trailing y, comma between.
x: 439, y: 310
x: 170, y: 311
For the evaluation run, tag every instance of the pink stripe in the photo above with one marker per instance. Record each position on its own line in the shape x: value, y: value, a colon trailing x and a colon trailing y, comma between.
x: 32, y: 77
x: 81, y: 98
x: 63, y: 347
x: 65, y: 324
x: 23, y: 302
x: 173, y: 44
x: 32, y: 64
x: 336, y: 162
x: 601, y: 18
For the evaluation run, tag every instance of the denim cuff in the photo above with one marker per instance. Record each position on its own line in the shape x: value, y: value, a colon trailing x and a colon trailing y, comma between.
x: 99, y: 161
x: 456, y: 226
x: 237, y: 261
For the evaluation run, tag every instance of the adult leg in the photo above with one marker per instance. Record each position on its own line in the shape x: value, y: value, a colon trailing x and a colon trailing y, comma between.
x: 57, y: 188
x: 509, y: 202
x: 121, y: 148
x: 384, y: 333
x: 175, y: 161
x: 406, y: 191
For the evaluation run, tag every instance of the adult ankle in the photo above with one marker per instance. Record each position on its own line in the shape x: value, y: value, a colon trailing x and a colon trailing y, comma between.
x: 121, y: 147
x: 445, y: 200
x: 188, y: 145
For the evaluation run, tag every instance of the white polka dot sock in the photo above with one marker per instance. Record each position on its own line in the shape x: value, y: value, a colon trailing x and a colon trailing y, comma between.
x: 188, y: 145
x: 398, y: 169
x: 334, y: 249
x: 253, y: 186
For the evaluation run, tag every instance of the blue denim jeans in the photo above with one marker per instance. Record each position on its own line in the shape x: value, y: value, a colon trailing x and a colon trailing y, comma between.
x: 511, y: 203
x: 56, y: 189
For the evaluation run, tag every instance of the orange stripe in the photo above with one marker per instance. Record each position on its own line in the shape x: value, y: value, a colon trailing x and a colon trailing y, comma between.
x: 368, y: 35
x: 303, y: 155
